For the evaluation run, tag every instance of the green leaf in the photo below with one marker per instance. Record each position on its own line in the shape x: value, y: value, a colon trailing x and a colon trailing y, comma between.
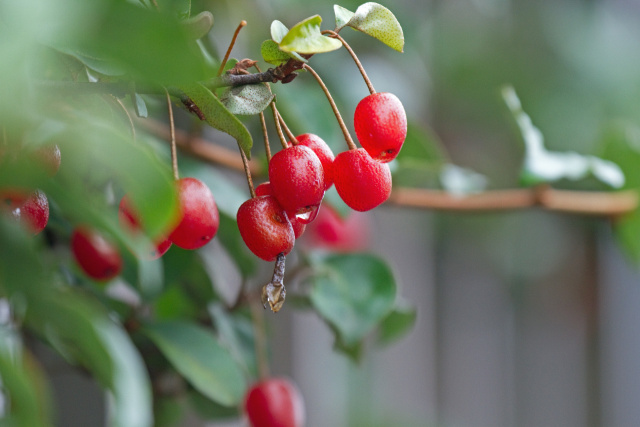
x: 184, y: 269
x: 197, y: 355
x: 247, y: 99
x: 199, y: 25
x: 541, y: 165
x: 272, y: 54
x: 140, y: 106
x: 396, y: 325
x: 218, y: 116
x: 343, y: 16
x: 353, y: 293
x: 209, y: 410
x: 179, y: 8
x: 421, y: 159
x: 278, y: 31
x: 235, y: 331
x: 378, y: 22
x: 306, y: 38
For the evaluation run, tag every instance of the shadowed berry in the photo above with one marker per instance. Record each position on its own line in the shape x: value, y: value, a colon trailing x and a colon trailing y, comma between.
x: 98, y: 257
x: 274, y: 402
x: 198, y: 212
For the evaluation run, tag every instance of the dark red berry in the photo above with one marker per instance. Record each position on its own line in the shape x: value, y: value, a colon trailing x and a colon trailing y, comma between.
x: 265, y: 189
x: 297, y: 180
x: 274, y: 402
x: 199, y: 215
x: 31, y: 208
x: 361, y: 182
x: 98, y: 257
x: 381, y: 125
x: 130, y: 221
x: 265, y: 227
x: 323, y: 152
x: 344, y: 234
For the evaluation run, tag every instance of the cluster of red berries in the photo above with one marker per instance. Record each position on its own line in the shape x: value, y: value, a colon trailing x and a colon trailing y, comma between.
x: 300, y: 174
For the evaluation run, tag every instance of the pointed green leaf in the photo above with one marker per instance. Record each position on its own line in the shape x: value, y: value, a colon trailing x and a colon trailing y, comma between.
x: 396, y: 325
x: 343, y: 16
x: 306, y: 38
x: 199, y: 25
x: 218, y: 116
x: 278, y: 31
x: 196, y: 354
x: 247, y: 100
x: 272, y: 54
x: 353, y: 293
x: 378, y: 22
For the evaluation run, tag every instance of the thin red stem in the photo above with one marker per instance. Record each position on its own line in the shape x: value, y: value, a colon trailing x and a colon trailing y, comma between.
x: 290, y: 134
x: 233, y: 42
x: 355, y: 59
x: 247, y: 172
x: 172, y: 128
x: 265, y: 133
x: 283, y: 140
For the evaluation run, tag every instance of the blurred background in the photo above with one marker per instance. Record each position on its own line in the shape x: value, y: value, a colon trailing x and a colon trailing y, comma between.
x: 525, y: 318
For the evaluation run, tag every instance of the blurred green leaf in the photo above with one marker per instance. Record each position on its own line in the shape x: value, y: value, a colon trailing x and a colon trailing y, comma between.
x: 378, y: 22
x: 184, y: 269
x: 199, y: 25
x: 421, y: 158
x: 343, y: 16
x: 230, y: 237
x: 218, y: 116
x: 209, y: 410
x: 396, y: 325
x: 272, y: 54
x: 179, y: 8
x: 306, y: 38
x: 353, y: 293
x: 140, y: 106
x: 541, y: 165
x: 235, y: 331
x: 167, y: 412
x: 247, y: 99
x: 197, y: 355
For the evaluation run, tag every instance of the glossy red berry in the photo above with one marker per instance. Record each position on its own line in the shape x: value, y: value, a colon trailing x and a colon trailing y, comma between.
x: 380, y: 123
x: 198, y: 212
x: 297, y: 180
x: 265, y: 227
x: 361, y: 182
x: 265, y: 189
x: 343, y: 234
x: 98, y: 257
x: 274, y: 402
x: 29, y: 208
x: 323, y: 152
x: 130, y: 221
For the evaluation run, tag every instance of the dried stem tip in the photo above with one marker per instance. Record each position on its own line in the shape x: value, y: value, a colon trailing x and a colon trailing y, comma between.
x: 274, y: 293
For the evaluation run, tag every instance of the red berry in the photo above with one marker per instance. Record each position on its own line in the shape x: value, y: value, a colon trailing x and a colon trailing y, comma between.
x: 130, y: 221
x: 331, y: 231
x: 199, y: 215
x: 297, y: 180
x: 323, y: 152
x: 98, y: 257
x: 31, y: 207
x: 361, y: 182
x: 274, y: 402
x: 265, y: 189
x: 49, y: 156
x: 381, y: 125
x: 265, y: 227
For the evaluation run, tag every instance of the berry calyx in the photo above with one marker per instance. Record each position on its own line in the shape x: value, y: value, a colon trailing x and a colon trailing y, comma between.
x: 323, y: 152
x: 265, y: 227
x: 361, y: 182
x: 198, y: 212
x: 297, y: 180
x: 265, y: 189
x: 274, y: 402
x: 380, y: 123
x: 130, y: 221
x: 98, y: 257
x: 343, y: 234
x: 29, y: 208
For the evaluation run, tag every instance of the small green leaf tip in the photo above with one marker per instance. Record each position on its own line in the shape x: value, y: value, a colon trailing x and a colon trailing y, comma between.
x: 306, y: 38
x: 375, y: 20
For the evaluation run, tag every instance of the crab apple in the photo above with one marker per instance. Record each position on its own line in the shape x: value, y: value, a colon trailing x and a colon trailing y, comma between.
x: 30, y: 207
x: 344, y: 234
x: 323, y: 152
x: 380, y: 123
x: 297, y: 181
x: 274, y: 402
x: 98, y: 257
x: 361, y: 182
x: 130, y: 221
x: 265, y: 227
x: 264, y: 189
x: 198, y: 212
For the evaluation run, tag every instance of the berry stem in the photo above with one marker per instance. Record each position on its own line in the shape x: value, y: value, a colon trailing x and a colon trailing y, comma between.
x: 247, y: 172
x: 283, y: 140
x: 265, y: 133
x: 291, y: 136
x: 260, y: 339
x: 355, y: 59
x: 233, y: 42
x: 172, y: 129
x: 345, y: 131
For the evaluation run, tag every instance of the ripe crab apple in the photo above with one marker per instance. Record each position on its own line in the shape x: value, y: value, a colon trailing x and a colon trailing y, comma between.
x: 265, y: 227
x: 380, y: 123
x: 297, y: 181
x: 344, y: 234
x: 98, y: 257
x: 30, y: 207
x: 130, y: 221
x: 361, y: 182
x: 323, y: 152
x: 265, y: 189
x: 198, y: 212
x: 274, y: 402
